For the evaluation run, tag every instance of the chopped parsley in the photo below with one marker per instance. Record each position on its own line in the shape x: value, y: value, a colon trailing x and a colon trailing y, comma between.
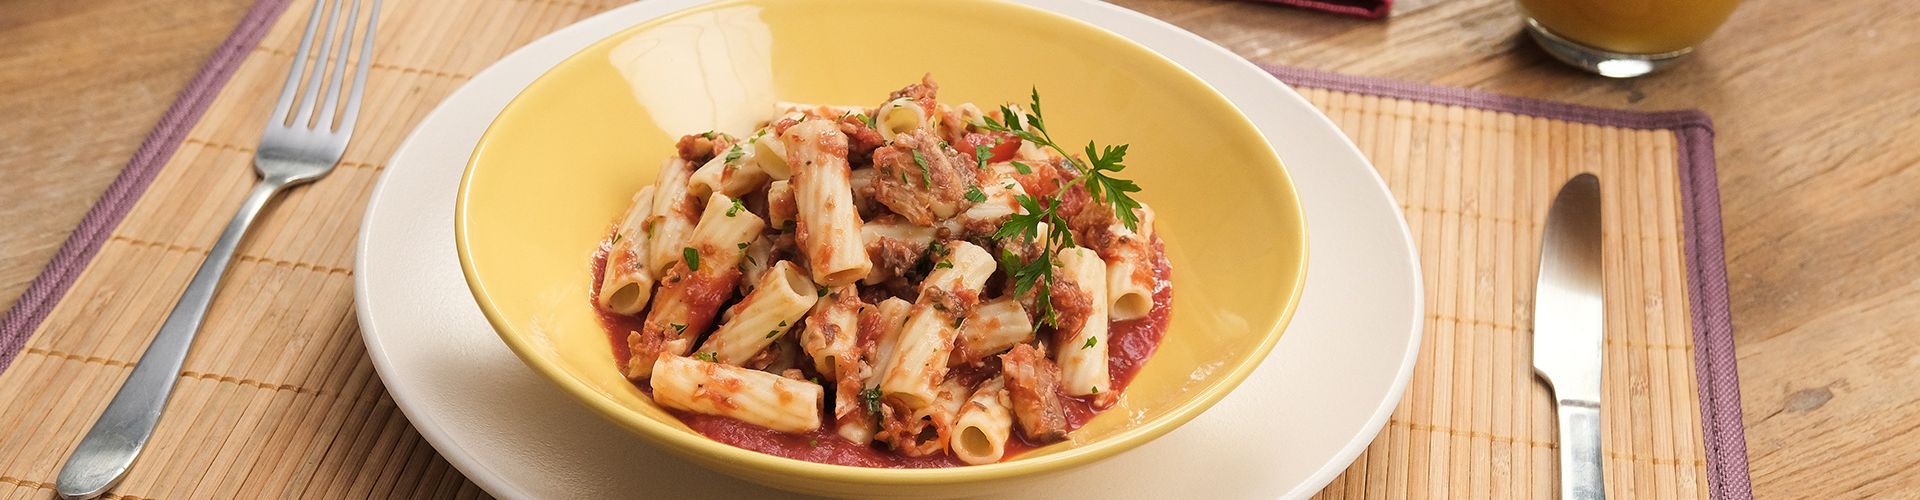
x: 693, y: 258
x: 980, y: 156
x: 708, y: 134
x: 773, y: 333
x: 974, y: 194
x: 820, y: 290
x: 735, y: 210
x: 865, y: 119
x: 734, y: 154
x: 1096, y: 389
x: 709, y: 357
x: 678, y: 327
x: 742, y: 245
x: 926, y: 174
x: 1090, y: 342
x: 1022, y: 168
x: 943, y: 265
x: 872, y: 397
x: 616, y: 238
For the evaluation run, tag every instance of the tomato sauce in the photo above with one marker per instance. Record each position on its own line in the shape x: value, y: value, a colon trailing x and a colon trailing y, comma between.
x: 1130, y: 343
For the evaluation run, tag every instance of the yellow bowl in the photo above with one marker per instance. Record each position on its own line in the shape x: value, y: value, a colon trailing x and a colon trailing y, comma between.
x: 558, y: 164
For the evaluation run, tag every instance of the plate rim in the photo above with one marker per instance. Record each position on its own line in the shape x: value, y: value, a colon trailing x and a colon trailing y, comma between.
x: 493, y: 482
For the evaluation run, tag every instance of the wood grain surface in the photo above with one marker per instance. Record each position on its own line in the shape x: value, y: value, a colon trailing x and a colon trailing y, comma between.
x: 1813, y: 103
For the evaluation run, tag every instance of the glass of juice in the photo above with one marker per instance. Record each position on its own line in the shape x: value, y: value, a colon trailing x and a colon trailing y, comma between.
x: 1622, y: 38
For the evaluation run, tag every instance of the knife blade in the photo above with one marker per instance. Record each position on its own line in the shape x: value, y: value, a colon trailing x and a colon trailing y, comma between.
x: 1568, y: 321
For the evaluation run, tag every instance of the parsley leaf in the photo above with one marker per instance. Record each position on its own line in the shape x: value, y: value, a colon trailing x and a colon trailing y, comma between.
x: 974, y: 194
x: 872, y: 397
x: 773, y: 333
x: 1090, y: 342
x: 944, y: 265
x: 980, y: 156
x: 708, y: 356
x: 926, y: 175
x: 734, y: 154
x: 678, y: 327
x: 708, y: 134
x: 693, y: 258
x: 735, y: 210
x: 1035, y: 272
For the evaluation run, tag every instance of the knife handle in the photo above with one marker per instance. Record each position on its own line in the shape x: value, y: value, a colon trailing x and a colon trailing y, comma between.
x: 1580, y: 471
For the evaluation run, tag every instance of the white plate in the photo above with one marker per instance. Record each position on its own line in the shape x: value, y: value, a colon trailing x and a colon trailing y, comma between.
x: 1299, y: 420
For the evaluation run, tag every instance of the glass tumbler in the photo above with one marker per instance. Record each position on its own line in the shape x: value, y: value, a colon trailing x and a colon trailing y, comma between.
x: 1622, y: 38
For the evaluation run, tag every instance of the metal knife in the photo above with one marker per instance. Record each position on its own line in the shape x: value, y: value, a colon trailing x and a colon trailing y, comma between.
x: 1567, y: 323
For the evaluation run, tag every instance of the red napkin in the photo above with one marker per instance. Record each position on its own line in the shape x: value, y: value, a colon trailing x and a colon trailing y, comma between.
x: 1370, y: 9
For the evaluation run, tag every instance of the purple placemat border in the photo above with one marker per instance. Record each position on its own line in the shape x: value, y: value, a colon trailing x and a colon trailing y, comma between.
x: 1378, y: 9
x: 159, y: 146
x: 1719, y: 381
x: 1727, y: 472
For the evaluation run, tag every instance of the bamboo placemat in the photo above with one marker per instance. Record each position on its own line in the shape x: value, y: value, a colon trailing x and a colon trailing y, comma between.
x: 280, y: 400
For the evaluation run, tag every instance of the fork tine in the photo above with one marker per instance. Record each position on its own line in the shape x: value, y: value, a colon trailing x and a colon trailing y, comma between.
x: 360, y: 72
x: 285, y: 105
x: 319, y: 69
x: 325, y: 123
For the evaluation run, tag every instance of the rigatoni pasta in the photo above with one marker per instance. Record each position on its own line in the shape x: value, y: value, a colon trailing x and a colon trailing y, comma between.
x: 984, y: 424
x: 908, y: 284
x: 694, y: 286
x: 1082, y: 351
x: 674, y: 213
x: 750, y: 396
x: 829, y: 227
x: 781, y: 298
x: 919, y: 360
x: 626, y: 280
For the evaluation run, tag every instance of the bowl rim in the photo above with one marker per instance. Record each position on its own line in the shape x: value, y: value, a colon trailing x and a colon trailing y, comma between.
x: 708, y: 451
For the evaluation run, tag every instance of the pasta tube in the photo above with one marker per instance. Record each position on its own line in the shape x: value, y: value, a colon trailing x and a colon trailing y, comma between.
x: 693, y: 289
x: 829, y: 226
x: 1130, y: 269
x: 981, y: 430
x: 675, y: 211
x: 919, y: 361
x: 991, y: 329
x: 1082, y: 351
x: 626, y: 282
x: 780, y: 299
x: 750, y: 396
x: 733, y: 172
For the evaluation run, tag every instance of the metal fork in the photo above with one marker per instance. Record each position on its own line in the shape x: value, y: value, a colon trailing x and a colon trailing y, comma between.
x: 301, y: 144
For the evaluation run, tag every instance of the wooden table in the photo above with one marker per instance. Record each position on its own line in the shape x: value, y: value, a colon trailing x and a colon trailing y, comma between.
x: 1814, y: 103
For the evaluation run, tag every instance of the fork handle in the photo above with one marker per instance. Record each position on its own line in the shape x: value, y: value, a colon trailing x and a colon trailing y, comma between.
x: 103, y: 456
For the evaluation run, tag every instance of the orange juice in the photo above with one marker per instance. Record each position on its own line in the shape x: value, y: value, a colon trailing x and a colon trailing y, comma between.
x: 1631, y: 26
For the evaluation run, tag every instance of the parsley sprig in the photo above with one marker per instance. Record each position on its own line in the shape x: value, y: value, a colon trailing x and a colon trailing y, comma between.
x: 1095, y: 173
